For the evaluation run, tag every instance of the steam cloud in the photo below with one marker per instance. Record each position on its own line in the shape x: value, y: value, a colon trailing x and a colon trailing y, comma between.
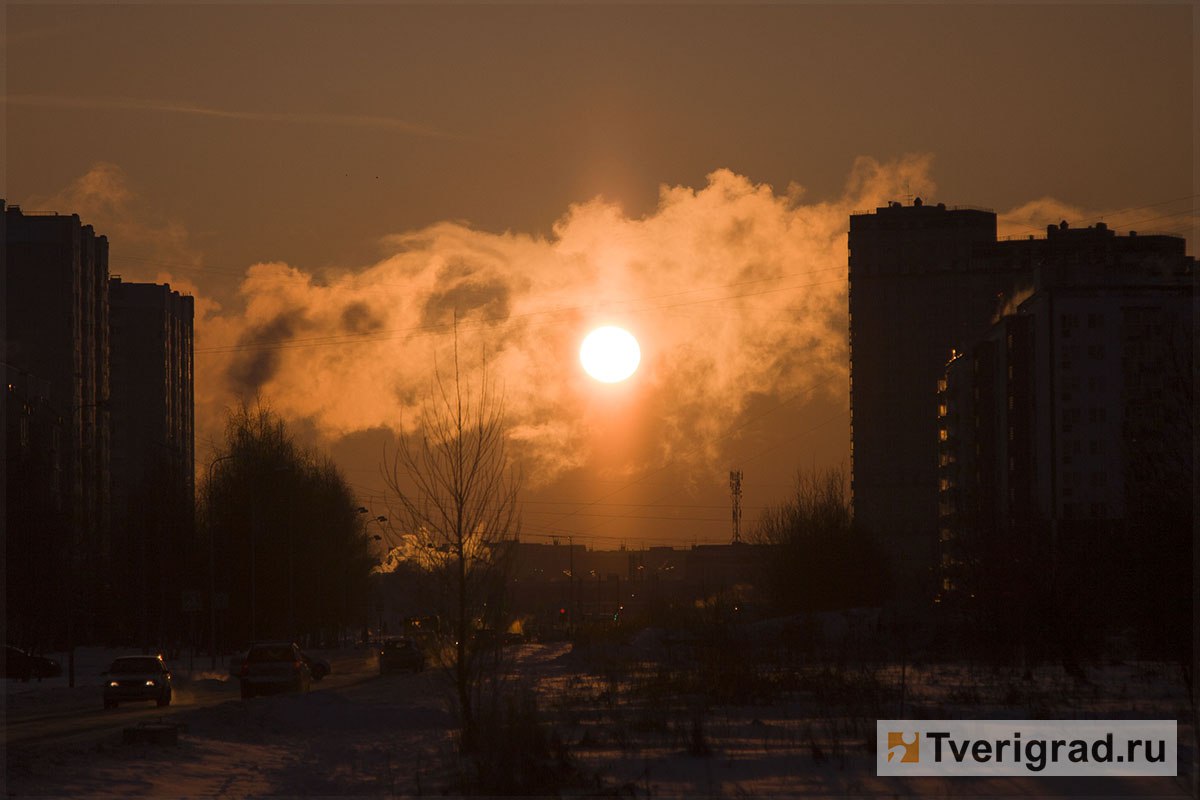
x: 734, y: 291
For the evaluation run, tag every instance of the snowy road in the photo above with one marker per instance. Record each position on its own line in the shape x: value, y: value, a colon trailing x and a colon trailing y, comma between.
x: 355, y: 733
x: 86, y: 719
x: 78, y: 716
x: 359, y: 734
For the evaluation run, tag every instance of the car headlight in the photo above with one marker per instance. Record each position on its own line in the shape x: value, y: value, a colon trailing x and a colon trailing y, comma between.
x: 113, y: 684
x: 151, y: 683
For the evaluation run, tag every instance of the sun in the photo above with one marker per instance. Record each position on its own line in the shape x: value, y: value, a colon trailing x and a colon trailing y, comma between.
x: 610, y: 354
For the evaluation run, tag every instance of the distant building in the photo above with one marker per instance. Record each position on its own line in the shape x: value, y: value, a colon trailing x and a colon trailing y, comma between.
x: 718, y: 568
x: 153, y: 441
x: 584, y: 585
x: 56, y: 421
x: 1077, y: 401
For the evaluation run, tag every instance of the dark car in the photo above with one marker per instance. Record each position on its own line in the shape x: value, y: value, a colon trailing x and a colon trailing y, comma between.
x: 271, y: 667
x: 400, y: 655
x: 137, y: 678
x: 318, y: 666
x: 22, y: 665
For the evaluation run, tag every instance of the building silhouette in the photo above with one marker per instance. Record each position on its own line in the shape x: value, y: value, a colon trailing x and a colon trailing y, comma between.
x: 56, y: 421
x: 98, y: 408
x: 1076, y: 404
x: 916, y: 290
x: 153, y: 445
x: 995, y: 384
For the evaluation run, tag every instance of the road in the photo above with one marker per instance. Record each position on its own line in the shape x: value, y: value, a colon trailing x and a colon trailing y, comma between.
x: 82, y: 718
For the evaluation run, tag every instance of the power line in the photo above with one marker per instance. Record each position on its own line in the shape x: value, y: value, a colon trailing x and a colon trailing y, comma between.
x: 1101, y: 217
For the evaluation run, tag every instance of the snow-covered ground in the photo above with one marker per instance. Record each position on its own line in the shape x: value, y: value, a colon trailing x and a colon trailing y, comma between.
x: 361, y: 734
x: 379, y: 735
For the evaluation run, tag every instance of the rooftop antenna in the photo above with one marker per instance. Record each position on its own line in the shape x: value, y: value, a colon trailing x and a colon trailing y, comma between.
x: 735, y: 492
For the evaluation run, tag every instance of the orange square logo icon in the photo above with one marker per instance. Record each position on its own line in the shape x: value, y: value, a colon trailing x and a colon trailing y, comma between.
x: 903, y: 747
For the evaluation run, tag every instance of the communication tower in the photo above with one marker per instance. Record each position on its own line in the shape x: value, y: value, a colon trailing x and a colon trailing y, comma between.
x: 735, y: 492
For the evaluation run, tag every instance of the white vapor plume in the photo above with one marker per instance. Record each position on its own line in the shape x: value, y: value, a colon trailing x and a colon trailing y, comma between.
x: 143, y: 246
x: 733, y: 290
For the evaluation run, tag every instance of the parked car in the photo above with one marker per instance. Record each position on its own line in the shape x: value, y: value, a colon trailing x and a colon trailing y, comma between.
x: 271, y: 667
x: 137, y: 678
x: 400, y: 654
x: 22, y: 665
x: 235, y: 665
x: 318, y: 666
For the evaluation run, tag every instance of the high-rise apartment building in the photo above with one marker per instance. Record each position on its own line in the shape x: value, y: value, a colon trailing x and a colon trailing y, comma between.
x: 56, y: 413
x: 1076, y: 403
x: 153, y: 445
x: 98, y: 418
x: 916, y: 291
x: 1042, y: 408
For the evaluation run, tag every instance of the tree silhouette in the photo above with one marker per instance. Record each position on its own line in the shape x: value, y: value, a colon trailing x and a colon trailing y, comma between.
x: 454, y: 491
x: 815, y: 558
x: 292, y: 551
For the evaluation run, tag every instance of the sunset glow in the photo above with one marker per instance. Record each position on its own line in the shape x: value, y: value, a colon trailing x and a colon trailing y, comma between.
x: 610, y: 354
x: 503, y: 202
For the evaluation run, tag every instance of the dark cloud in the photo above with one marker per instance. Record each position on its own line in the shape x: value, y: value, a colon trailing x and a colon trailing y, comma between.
x: 461, y: 289
x: 357, y: 317
x: 261, y: 360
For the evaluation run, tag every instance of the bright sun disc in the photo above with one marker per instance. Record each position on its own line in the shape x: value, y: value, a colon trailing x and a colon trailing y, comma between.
x: 610, y: 354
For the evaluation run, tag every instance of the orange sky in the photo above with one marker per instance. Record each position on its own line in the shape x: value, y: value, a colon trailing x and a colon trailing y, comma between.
x: 334, y: 182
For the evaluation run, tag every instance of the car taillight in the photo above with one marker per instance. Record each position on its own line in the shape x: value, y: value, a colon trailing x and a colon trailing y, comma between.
x: 245, y: 668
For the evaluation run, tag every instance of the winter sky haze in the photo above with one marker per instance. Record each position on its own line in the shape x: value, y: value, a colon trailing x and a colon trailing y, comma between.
x: 336, y: 184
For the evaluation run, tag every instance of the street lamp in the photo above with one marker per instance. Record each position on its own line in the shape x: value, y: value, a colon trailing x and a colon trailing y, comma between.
x: 380, y: 519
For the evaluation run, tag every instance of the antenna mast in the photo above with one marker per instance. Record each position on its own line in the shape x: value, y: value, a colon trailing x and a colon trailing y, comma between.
x: 735, y: 492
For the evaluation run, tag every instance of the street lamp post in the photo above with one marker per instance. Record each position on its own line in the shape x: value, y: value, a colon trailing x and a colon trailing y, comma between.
x: 380, y: 520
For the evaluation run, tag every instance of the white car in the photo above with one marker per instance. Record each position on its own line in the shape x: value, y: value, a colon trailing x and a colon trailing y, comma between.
x: 271, y: 667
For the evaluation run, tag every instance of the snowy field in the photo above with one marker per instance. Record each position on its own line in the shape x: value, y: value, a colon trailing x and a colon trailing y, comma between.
x: 632, y: 727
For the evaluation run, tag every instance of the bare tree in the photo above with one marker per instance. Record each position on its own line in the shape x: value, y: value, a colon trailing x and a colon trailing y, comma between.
x: 454, y: 490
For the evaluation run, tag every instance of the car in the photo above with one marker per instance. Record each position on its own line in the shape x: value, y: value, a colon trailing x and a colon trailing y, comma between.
x: 272, y: 667
x: 318, y: 666
x: 137, y: 678
x: 400, y: 654
x: 235, y: 664
x: 23, y: 666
